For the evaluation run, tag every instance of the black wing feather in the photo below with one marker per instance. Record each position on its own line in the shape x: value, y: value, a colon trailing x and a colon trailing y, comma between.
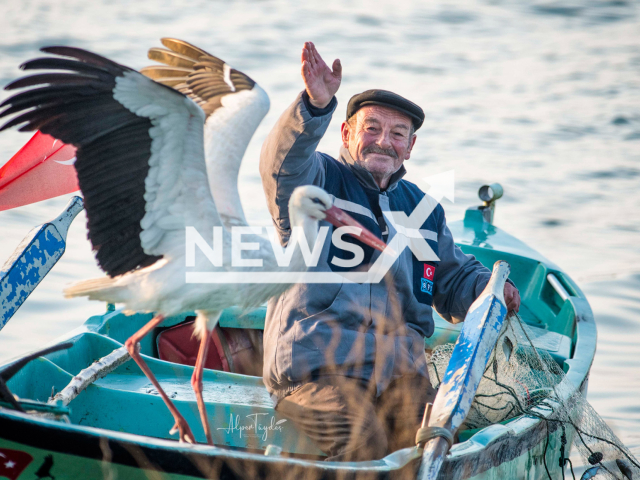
x: 50, y: 63
x: 43, y: 96
x: 88, y: 57
x: 55, y: 79
x: 113, y: 146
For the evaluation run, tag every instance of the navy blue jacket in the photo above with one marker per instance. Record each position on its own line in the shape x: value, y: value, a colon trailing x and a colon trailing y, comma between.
x: 370, y: 331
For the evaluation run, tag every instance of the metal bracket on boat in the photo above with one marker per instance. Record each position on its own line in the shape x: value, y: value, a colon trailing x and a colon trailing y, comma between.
x: 425, y: 421
x: 38, y: 407
x: 557, y: 286
x: 489, y: 194
x: 273, y: 451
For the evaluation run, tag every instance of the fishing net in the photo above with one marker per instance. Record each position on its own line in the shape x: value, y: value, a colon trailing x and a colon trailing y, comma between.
x: 523, y: 380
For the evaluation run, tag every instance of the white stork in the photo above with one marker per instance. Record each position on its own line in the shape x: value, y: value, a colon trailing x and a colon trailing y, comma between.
x: 141, y: 168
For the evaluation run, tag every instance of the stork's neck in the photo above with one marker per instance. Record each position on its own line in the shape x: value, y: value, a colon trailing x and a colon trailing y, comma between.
x: 304, y: 229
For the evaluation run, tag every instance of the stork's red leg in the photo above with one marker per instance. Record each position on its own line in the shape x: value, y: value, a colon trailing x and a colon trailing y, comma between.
x: 196, y: 382
x: 133, y: 346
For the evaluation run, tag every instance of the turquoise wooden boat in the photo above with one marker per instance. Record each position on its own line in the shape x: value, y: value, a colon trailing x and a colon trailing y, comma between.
x: 118, y: 427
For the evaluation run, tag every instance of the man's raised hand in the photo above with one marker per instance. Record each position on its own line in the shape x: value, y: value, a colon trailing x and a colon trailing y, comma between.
x: 321, y: 82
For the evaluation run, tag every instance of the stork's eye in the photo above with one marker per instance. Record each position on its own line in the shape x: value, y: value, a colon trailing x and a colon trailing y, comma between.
x: 318, y: 201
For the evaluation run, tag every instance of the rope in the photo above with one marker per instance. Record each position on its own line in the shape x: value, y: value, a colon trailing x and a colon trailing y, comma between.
x: 425, y: 434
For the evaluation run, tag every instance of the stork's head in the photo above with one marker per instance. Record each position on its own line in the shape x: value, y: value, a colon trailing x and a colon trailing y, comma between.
x: 313, y: 203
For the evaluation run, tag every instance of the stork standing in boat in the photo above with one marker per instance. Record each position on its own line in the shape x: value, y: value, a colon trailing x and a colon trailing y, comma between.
x: 142, y: 169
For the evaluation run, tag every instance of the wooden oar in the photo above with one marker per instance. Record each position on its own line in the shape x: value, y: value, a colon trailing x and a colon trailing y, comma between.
x: 33, y: 259
x: 468, y: 361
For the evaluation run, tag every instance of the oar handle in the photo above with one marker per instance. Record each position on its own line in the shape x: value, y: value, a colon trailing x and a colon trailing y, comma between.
x: 63, y: 221
x: 499, y: 275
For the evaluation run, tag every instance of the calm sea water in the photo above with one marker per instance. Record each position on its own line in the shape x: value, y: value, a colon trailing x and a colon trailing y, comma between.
x: 541, y: 96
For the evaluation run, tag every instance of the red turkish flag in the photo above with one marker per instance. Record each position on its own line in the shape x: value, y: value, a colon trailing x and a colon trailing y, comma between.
x: 42, y: 169
x: 13, y: 463
x: 429, y: 271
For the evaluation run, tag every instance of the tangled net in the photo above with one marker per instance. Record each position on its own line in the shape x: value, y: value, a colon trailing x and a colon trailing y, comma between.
x: 523, y: 380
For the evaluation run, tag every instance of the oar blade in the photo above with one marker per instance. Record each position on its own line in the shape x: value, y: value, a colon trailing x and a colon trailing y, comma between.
x: 32, y: 260
x: 467, y: 364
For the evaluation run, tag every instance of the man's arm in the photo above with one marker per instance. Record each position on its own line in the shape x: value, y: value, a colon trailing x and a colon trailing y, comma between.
x: 460, y: 279
x: 288, y: 158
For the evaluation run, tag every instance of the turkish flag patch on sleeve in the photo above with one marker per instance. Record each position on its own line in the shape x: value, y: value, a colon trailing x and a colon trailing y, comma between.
x: 13, y: 463
x: 429, y: 271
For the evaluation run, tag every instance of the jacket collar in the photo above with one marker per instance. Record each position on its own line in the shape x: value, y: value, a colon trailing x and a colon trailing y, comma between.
x: 363, y: 175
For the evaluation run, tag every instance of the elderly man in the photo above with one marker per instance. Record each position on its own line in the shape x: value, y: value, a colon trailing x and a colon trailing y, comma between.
x: 346, y: 361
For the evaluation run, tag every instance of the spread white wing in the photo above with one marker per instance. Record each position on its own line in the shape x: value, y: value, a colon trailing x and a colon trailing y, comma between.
x: 234, y: 104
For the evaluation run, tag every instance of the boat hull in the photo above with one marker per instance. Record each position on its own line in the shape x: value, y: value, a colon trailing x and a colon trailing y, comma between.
x: 93, y: 445
x: 89, y: 453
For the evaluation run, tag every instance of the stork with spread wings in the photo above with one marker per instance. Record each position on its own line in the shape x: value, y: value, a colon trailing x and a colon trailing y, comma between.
x: 148, y: 159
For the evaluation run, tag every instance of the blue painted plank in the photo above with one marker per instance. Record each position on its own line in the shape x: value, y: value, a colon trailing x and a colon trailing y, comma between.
x: 469, y: 359
x: 36, y: 255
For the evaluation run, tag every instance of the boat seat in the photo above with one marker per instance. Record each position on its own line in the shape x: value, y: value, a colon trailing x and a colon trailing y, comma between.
x: 235, y: 350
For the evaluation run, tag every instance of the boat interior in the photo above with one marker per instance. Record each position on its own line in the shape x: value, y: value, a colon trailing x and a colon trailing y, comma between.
x: 241, y: 411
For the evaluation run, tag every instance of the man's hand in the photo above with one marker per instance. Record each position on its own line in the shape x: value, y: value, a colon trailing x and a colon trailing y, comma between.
x: 321, y: 82
x: 511, y: 297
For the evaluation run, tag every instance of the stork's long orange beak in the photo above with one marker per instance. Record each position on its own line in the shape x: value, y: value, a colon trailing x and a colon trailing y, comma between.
x: 339, y: 218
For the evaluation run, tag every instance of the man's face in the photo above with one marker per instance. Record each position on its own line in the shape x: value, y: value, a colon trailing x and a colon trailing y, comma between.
x: 379, y: 139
